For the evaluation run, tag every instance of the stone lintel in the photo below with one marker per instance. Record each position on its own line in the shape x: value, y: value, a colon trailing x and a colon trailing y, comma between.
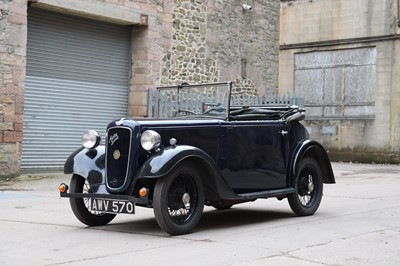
x: 105, y: 11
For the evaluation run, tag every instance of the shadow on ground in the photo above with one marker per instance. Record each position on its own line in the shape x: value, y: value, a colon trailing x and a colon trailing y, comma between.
x: 211, y: 220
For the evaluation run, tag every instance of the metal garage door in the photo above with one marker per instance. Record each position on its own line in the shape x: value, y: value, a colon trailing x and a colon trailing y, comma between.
x: 77, y: 78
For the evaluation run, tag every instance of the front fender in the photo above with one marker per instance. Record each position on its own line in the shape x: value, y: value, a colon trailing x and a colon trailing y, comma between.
x: 163, y: 161
x: 315, y: 150
x: 89, y: 164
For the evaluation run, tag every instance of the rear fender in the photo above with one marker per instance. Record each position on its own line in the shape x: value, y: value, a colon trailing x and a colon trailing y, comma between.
x: 162, y: 162
x: 313, y: 149
x: 90, y: 164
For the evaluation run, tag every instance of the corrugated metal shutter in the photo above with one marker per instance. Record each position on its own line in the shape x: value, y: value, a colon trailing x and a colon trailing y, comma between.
x: 77, y: 79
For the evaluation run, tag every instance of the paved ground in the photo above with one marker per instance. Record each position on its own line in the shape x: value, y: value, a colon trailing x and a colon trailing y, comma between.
x: 358, y: 223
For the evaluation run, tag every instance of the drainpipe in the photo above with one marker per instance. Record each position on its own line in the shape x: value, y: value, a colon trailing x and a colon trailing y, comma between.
x: 398, y: 13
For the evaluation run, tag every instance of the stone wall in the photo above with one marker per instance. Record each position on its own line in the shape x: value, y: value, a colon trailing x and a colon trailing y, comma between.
x: 149, y: 44
x: 173, y: 41
x: 305, y: 21
x: 13, y: 27
x: 246, y: 43
x: 368, y: 130
x: 187, y: 62
x: 210, y: 40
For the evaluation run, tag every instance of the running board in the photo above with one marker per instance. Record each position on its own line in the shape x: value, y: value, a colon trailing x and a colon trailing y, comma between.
x: 267, y: 193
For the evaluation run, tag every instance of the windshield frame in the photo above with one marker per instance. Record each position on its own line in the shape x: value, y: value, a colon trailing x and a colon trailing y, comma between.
x: 177, y: 108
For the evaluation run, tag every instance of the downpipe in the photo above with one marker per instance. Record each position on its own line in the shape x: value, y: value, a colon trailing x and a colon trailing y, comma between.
x: 398, y: 13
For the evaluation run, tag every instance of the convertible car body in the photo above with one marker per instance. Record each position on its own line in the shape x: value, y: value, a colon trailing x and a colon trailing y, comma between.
x: 207, y: 153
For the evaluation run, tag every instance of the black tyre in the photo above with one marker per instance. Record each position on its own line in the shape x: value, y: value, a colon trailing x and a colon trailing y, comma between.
x: 81, y: 206
x: 308, y: 188
x: 178, y: 200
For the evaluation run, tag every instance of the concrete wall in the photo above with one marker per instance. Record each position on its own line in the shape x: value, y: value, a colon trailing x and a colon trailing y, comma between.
x: 305, y: 21
x: 173, y: 41
x: 369, y: 130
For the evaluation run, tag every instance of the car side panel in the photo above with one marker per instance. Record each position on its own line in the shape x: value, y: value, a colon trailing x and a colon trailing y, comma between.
x: 254, y: 155
x: 205, y: 136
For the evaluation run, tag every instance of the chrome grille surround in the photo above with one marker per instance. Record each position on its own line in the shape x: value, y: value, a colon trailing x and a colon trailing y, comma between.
x: 118, y: 157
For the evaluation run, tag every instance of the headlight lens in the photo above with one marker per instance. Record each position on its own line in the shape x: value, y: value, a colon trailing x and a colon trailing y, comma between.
x: 90, y: 139
x: 150, y: 140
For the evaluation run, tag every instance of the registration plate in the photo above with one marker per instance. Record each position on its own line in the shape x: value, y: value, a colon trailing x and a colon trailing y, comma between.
x: 112, y: 206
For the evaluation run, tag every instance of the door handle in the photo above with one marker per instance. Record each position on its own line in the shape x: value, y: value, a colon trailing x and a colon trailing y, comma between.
x: 283, y: 132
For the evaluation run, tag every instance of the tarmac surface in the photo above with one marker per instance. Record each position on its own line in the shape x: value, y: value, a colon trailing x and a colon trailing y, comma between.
x: 358, y: 223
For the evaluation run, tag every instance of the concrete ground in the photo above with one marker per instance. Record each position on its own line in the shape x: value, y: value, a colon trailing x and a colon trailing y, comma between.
x: 358, y: 223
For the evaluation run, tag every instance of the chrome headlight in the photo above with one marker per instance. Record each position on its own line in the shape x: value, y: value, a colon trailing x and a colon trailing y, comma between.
x: 150, y: 140
x: 90, y: 139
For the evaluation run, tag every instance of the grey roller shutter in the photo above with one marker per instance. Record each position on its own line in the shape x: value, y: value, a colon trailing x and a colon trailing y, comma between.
x: 77, y: 78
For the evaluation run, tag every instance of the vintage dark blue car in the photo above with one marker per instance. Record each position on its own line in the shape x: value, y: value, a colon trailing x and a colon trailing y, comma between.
x: 208, y: 152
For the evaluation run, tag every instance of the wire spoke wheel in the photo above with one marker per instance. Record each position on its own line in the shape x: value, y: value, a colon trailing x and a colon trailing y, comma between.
x: 182, y: 199
x: 87, y: 202
x: 308, y: 188
x: 178, y: 200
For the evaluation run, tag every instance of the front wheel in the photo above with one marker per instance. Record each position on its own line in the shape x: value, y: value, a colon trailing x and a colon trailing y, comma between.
x: 178, y: 200
x: 81, y: 206
x: 308, y: 188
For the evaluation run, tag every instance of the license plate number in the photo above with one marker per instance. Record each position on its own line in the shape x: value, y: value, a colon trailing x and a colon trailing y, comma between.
x: 112, y: 206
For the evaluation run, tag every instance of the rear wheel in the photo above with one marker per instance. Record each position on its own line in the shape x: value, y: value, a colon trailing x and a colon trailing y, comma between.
x: 81, y: 206
x: 178, y: 200
x: 308, y: 188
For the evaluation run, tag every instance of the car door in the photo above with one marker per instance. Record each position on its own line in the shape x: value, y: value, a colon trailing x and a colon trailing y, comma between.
x: 253, y: 155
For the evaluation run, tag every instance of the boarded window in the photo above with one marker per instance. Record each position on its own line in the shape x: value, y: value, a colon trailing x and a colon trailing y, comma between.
x: 337, y: 84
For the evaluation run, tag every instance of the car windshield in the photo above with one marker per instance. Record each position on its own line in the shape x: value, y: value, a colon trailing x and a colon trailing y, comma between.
x: 205, y: 100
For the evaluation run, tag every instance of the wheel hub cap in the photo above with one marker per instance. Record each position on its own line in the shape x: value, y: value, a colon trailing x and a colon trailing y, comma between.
x: 310, y: 184
x: 186, y: 199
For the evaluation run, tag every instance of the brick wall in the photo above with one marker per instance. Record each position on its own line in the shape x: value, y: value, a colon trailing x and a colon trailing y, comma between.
x: 13, y: 27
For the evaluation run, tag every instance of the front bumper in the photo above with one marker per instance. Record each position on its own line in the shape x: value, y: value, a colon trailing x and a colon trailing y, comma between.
x: 143, y: 201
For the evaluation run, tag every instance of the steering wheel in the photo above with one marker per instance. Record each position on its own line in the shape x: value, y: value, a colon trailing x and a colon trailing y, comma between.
x: 184, y: 111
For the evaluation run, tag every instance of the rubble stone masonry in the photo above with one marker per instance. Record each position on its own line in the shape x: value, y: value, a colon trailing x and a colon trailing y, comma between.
x: 210, y: 40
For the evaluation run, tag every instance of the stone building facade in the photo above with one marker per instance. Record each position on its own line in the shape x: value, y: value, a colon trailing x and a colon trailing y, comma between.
x: 13, y: 33
x: 172, y: 41
x: 342, y: 57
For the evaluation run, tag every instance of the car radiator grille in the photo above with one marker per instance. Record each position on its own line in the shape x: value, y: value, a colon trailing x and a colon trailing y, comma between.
x: 117, y: 157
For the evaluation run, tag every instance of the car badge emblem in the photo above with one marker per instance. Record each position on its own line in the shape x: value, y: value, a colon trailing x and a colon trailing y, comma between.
x: 113, y: 139
x: 116, y: 154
